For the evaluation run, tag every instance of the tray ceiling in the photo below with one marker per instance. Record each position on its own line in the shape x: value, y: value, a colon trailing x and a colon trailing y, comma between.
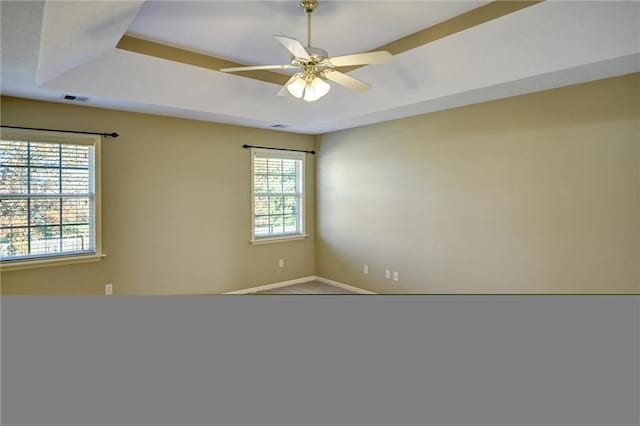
x: 160, y: 56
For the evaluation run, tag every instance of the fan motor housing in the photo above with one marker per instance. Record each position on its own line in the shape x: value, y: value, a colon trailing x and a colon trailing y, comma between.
x: 317, y: 52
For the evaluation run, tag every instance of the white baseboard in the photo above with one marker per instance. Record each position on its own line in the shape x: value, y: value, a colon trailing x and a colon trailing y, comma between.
x: 274, y: 285
x: 343, y: 285
x: 300, y: 281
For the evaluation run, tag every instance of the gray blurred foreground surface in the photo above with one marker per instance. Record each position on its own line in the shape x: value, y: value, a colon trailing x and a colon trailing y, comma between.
x: 322, y: 360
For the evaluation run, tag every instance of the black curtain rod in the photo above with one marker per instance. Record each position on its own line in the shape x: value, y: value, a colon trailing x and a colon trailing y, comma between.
x: 278, y: 149
x: 107, y: 135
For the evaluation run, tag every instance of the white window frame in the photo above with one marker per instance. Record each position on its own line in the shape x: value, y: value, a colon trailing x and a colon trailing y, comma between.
x: 284, y: 155
x: 69, y: 138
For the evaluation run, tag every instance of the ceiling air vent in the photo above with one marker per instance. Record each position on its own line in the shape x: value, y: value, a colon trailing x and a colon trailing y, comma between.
x: 75, y: 98
x: 280, y: 126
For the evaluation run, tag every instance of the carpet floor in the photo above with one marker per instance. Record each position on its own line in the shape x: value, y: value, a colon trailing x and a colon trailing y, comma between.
x: 312, y: 287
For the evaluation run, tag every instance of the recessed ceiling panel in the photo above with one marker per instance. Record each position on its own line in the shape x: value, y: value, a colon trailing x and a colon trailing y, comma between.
x: 243, y: 31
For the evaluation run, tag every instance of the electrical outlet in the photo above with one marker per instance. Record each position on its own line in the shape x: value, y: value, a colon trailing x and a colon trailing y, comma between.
x: 281, y: 263
x: 396, y: 276
x: 387, y: 274
x: 108, y: 289
x: 365, y: 269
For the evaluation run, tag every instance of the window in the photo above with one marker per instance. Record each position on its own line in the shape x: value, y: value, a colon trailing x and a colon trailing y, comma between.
x: 48, y: 196
x: 277, y: 195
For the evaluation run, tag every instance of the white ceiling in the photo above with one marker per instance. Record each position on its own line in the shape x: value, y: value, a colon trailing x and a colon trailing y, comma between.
x: 243, y: 31
x: 70, y: 48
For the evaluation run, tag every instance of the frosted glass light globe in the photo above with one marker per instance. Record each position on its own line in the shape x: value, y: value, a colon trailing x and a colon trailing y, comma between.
x: 296, y: 87
x: 316, y: 89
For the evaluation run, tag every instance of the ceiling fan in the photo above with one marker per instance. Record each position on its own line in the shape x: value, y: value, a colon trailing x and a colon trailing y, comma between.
x: 316, y: 65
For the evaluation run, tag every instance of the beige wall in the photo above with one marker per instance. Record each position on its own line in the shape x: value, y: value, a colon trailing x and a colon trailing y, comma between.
x: 176, y: 206
x: 537, y: 193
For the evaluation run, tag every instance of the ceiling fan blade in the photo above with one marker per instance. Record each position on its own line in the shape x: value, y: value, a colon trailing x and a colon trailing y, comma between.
x: 294, y: 46
x: 284, y: 91
x: 346, y: 80
x: 380, y: 57
x: 259, y: 67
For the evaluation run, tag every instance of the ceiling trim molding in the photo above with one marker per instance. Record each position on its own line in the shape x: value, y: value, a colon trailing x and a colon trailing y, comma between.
x: 465, y: 21
x: 176, y: 54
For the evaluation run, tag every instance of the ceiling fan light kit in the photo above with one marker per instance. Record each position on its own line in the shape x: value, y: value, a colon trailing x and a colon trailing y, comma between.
x: 317, y: 66
x: 308, y: 87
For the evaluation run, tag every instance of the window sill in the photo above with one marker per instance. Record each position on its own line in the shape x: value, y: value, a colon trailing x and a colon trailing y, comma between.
x: 15, y: 265
x: 278, y: 239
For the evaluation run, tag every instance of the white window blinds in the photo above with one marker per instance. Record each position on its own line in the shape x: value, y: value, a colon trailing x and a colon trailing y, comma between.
x: 47, y: 199
x: 278, y: 193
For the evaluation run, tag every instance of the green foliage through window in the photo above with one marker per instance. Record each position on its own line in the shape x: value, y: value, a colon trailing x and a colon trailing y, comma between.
x: 278, y: 194
x: 47, y: 199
